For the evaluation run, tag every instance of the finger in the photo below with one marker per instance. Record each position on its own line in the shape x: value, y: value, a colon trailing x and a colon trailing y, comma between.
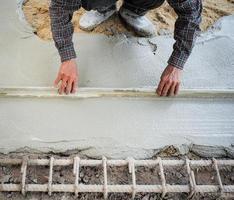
x: 63, y: 86
x: 74, y: 87
x: 171, y: 91
x: 57, y: 80
x: 165, y: 89
x: 177, y: 89
x: 160, y: 87
x: 69, y: 86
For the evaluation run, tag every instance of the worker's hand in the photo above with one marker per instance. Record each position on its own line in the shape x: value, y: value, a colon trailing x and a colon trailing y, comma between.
x: 170, y: 81
x: 67, y: 77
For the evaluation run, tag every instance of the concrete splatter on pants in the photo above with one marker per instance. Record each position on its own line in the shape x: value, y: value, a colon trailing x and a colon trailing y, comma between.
x: 139, y: 7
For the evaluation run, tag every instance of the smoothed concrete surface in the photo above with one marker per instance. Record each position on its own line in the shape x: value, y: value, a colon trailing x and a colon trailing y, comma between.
x: 116, y: 127
x: 118, y: 62
x: 119, y: 124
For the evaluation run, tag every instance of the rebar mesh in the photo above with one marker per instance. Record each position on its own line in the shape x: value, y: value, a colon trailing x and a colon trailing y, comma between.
x: 104, y: 188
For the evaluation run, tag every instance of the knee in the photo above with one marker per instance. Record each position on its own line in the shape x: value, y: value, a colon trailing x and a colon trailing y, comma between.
x: 95, y: 4
x: 157, y: 3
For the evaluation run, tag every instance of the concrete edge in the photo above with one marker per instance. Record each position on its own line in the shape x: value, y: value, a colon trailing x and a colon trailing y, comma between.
x: 167, y: 151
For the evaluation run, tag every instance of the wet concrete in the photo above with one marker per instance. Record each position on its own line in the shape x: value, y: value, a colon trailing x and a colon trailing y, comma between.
x: 117, y: 127
x: 112, y: 61
x: 124, y: 126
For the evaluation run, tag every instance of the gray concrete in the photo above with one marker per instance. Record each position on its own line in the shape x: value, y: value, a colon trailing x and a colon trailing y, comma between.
x: 26, y: 60
x: 116, y: 127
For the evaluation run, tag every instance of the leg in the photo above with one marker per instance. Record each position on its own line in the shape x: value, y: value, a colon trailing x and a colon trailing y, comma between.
x: 141, y: 7
x: 99, y: 5
x: 98, y: 11
x: 132, y: 13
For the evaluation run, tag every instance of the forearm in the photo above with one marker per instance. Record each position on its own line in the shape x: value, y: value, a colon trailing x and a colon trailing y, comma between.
x: 186, y: 30
x: 62, y: 28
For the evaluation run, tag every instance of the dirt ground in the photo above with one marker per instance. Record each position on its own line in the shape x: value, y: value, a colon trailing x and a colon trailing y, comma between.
x: 36, y: 12
x: 116, y: 175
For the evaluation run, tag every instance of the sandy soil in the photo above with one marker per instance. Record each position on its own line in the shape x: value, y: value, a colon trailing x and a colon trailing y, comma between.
x: 116, y: 175
x: 36, y: 12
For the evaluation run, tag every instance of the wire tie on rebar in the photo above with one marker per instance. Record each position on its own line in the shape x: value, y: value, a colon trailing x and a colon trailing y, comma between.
x: 162, y: 176
x: 76, y: 167
x: 23, y: 172
x: 50, y: 181
x: 131, y: 167
x: 218, y: 175
x: 104, y: 163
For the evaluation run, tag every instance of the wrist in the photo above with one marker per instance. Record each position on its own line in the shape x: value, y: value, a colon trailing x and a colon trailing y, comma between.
x: 66, y: 55
x: 175, y: 68
x: 178, y: 59
x: 69, y: 61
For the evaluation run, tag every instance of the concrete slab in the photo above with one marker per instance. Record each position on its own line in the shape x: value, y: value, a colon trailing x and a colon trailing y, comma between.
x: 124, y: 126
x: 116, y: 127
x: 117, y: 61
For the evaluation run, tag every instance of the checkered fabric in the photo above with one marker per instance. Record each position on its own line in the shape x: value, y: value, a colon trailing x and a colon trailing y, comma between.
x: 186, y: 26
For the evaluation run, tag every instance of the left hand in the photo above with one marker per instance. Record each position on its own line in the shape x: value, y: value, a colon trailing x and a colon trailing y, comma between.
x: 170, y: 81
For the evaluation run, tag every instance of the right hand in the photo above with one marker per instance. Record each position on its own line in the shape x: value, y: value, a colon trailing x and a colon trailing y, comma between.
x: 67, y: 77
x: 170, y: 81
